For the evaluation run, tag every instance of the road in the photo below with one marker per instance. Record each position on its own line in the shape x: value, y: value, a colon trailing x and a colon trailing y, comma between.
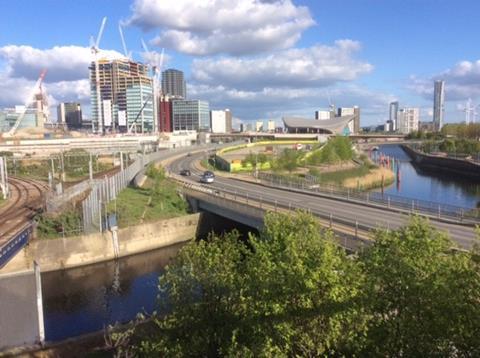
x: 463, y: 235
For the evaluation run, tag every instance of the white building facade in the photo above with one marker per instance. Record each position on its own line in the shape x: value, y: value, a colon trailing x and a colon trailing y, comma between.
x: 408, y: 120
x: 218, y: 120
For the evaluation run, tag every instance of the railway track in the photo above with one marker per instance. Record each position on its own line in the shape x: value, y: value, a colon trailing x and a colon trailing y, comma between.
x: 27, y: 199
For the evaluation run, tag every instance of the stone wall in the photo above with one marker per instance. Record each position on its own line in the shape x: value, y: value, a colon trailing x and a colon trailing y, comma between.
x: 443, y: 164
x: 57, y: 254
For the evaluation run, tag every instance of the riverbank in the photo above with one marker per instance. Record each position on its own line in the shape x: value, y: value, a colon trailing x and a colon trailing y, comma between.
x: 462, y: 167
x: 59, y: 254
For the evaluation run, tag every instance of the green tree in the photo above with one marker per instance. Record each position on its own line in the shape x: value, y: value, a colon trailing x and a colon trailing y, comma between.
x: 289, y: 292
x: 288, y: 159
x: 422, y: 299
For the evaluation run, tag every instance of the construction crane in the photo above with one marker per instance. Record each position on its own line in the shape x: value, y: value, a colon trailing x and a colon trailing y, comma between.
x: 31, y: 98
x: 470, y: 112
x: 124, y: 44
x: 156, y: 71
x: 94, y: 46
x: 330, y: 104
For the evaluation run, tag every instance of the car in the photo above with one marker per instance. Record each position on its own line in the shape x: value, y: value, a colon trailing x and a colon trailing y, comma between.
x: 185, y: 172
x: 207, y: 179
x: 208, y: 173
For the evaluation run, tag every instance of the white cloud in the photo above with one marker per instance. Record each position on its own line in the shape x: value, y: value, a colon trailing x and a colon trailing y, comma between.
x: 63, y: 63
x: 317, y: 66
x: 462, y: 81
x: 237, y: 27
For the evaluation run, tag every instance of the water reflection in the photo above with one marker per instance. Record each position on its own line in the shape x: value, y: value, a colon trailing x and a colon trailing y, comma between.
x: 429, y: 185
x: 82, y: 300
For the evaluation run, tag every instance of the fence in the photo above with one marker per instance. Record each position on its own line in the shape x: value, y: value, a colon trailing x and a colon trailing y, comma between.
x: 438, y: 210
x: 94, y: 207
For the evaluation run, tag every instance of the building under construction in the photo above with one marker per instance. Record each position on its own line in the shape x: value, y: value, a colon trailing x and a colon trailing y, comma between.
x: 33, y: 115
x: 126, y: 97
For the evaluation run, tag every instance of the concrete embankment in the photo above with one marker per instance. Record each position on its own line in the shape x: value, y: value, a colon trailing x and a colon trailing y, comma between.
x: 57, y: 254
x: 461, y: 167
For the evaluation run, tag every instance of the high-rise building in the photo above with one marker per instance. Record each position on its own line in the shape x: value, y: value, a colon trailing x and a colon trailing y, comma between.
x: 192, y: 115
x: 173, y: 84
x: 259, y: 126
x: 228, y: 118
x: 408, y: 120
x: 126, y: 97
x: 393, y: 116
x: 70, y: 113
x: 438, y: 104
x: 164, y: 114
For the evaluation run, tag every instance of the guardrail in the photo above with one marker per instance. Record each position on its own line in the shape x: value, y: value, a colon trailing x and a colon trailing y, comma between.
x: 355, y: 233
x: 15, y: 244
x: 422, y: 207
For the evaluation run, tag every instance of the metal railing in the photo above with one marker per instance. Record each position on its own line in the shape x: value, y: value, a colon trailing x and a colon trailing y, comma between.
x: 421, y: 207
x: 355, y: 233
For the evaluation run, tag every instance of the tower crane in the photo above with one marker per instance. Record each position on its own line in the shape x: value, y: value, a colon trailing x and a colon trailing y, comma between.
x: 156, y: 71
x: 28, y: 102
x: 94, y: 46
x: 124, y: 44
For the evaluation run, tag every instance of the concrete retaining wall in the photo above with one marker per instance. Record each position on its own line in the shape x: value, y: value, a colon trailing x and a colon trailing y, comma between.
x: 19, y: 316
x: 57, y: 254
x: 443, y: 164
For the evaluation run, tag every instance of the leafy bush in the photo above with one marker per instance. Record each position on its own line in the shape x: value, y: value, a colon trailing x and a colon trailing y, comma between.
x: 51, y: 226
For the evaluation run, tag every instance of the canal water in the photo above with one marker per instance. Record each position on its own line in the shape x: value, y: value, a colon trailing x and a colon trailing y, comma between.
x: 414, y: 182
x: 86, y: 299
x: 83, y: 300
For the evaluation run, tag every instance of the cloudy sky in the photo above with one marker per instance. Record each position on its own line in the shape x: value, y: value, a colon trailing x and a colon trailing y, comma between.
x: 263, y: 59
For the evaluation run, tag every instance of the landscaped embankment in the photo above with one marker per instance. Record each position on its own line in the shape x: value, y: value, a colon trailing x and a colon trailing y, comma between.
x: 461, y: 167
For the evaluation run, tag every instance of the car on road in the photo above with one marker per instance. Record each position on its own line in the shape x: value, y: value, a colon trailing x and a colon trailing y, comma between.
x: 207, y: 177
x: 185, y: 172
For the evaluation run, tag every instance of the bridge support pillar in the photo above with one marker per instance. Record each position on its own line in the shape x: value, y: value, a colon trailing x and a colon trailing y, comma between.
x: 193, y: 204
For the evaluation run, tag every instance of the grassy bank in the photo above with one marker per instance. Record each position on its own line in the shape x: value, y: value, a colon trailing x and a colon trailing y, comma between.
x: 157, y: 199
x: 363, y: 177
x: 374, y: 179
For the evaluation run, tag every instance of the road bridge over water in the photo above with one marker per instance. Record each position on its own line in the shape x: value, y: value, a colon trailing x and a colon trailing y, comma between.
x: 351, y: 218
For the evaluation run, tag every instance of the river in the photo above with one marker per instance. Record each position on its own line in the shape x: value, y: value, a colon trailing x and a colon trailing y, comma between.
x: 427, y: 185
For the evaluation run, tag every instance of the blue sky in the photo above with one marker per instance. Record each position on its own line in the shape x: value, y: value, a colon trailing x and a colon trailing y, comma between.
x: 263, y: 59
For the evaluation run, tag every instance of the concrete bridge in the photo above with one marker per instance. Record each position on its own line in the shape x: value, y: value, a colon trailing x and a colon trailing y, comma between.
x: 246, y: 202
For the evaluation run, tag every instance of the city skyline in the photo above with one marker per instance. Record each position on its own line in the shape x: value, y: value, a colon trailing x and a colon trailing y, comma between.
x: 293, y: 69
